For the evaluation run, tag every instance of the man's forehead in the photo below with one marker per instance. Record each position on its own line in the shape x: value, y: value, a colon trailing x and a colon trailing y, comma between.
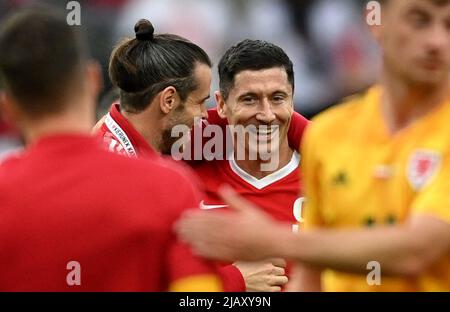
x: 264, y: 78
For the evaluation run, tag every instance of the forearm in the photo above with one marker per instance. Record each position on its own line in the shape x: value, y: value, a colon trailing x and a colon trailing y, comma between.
x: 305, y: 279
x: 397, y: 250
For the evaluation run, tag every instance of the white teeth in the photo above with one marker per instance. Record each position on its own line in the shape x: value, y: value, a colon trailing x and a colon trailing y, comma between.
x: 263, y: 133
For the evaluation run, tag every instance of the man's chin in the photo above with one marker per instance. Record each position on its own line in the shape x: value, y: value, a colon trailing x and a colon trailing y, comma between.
x: 263, y: 150
x: 429, y: 78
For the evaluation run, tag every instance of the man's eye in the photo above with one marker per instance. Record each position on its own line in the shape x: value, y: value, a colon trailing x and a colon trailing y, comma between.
x: 447, y: 24
x: 278, y: 99
x: 248, y: 99
x: 419, y: 20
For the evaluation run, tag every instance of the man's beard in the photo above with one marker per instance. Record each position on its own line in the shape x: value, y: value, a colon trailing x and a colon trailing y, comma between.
x: 167, y: 141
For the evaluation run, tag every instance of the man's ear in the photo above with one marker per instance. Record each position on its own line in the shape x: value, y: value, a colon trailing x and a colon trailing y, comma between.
x: 221, y: 105
x: 168, y: 100
x: 9, y: 110
x: 95, y: 79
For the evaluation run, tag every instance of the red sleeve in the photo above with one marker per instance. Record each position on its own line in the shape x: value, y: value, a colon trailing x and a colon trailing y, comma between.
x: 181, y: 261
x: 184, y: 264
x: 232, y: 279
x: 296, y: 130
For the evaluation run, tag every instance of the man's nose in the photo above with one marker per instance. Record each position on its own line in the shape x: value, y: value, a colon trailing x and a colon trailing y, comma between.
x: 438, y: 39
x: 266, y: 114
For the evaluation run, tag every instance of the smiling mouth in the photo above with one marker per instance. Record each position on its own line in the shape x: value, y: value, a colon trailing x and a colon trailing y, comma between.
x: 264, y: 133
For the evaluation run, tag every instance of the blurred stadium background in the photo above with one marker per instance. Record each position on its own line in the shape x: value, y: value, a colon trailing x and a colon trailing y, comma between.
x: 327, y: 40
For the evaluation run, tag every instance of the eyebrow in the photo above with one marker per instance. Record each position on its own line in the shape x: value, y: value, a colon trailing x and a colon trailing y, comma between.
x: 280, y: 92
x: 247, y: 94
x: 205, y: 98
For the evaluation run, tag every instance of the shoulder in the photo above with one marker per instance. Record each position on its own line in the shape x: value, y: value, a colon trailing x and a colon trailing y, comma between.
x: 344, y: 113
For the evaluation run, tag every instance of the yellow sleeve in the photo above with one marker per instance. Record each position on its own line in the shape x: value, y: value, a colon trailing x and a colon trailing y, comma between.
x: 434, y: 200
x: 200, y: 283
x: 310, y: 178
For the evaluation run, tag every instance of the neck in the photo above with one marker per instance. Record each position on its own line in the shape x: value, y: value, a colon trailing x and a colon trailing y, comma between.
x: 148, y: 126
x: 403, y: 102
x: 254, y: 167
x: 78, y: 121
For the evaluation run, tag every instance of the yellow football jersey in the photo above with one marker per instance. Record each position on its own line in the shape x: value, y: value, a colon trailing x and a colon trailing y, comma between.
x: 357, y: 175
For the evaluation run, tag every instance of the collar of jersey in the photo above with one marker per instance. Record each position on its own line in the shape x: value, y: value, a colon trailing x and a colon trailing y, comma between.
x: 271, y: 178
x: 138, y: 141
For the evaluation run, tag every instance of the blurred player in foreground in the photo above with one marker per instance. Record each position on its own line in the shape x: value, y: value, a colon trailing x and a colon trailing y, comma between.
x: 377, y: 174
x: 65, y: 200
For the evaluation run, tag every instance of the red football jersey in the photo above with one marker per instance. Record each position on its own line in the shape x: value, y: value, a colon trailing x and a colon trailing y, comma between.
x: 66, y: 200
x: 120, y: 137
x: 278, y: 193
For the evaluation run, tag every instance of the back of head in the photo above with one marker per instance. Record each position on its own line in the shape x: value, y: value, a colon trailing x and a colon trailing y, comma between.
x: 251, y: 55
x: 41, y: 59
x: 144, y: 66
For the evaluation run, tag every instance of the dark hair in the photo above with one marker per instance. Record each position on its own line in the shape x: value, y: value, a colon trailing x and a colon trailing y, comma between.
x: 251, y: 55
x: 41, y: 57
x: 144, y: 66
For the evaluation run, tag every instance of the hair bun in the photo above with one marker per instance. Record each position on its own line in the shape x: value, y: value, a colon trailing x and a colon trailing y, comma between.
x: 144, y: 30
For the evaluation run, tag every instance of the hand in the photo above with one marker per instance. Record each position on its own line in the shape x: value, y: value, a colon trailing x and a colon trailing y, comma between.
x: 247, y: 235
x: 99, y: 124
x: 266, y: 276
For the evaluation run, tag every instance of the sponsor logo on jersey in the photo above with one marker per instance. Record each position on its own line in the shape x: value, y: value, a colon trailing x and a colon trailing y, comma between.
x: 204, y: 206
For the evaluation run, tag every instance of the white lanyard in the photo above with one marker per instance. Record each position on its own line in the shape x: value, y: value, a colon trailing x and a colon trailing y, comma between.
x: 120, y: 135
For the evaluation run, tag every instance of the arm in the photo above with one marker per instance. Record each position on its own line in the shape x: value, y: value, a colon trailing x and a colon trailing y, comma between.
x: 187, y: 272
x: 264, y: 276
x: 192, y: 274
x: 305, y: 279
x: 399, y: 250
x: 253, y: 235
x: 296, y: 130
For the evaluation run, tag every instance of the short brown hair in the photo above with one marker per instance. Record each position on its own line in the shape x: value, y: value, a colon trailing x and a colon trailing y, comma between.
x: 40, y: 57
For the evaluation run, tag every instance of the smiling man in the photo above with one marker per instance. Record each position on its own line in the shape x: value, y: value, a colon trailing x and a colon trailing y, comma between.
x: 256, y: 94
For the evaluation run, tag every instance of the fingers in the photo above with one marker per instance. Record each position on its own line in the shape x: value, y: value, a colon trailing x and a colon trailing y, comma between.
x: 278, y: 262
x: 279, y: 271
x: 197, y: 226
x: 99, y: 124
x: 275, y: 289
x: 278, y: 281
x: 214, y: 252
x: 235, y: 201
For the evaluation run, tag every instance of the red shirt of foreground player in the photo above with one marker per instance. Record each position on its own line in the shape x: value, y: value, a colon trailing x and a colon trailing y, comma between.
x: 66, y: 199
